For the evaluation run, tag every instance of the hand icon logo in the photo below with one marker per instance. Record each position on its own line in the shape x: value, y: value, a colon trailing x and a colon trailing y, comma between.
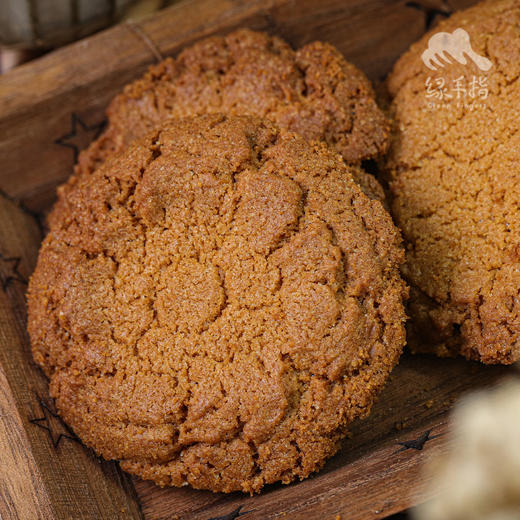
x: 443, y: 46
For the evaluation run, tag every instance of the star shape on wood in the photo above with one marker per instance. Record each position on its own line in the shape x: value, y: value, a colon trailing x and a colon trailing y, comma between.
x: 431, y: 11
x: 9, y: 271
x: 417, y: 444
x: 233, y: 515
x: 53, y: 424
x: 80, y: 135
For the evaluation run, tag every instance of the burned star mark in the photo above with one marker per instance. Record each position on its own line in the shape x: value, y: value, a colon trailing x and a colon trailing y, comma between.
x: 431, y: 12
x: 233, y: 515
x: 9, y: 271
x: 417, y: 444
x: 80, y: 136
x: 53, y: 424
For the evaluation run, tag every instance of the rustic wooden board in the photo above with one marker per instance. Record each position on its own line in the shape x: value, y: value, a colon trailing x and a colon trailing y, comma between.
x: 51, y: 108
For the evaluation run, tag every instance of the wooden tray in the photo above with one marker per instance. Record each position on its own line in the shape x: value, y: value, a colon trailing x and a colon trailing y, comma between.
x: 51, y: 108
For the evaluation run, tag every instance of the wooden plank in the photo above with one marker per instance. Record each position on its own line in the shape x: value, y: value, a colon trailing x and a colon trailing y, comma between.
x: 22, y: 494
x: 42, y: 474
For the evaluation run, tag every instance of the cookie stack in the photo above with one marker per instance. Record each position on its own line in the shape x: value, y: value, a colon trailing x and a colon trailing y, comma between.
x: 219, y: 295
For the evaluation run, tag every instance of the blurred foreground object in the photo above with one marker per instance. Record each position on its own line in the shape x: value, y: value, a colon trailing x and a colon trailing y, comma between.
x: 31, y: 24
x: 480, y: 478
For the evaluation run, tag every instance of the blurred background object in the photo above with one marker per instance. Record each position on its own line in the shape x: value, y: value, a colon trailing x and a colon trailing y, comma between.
x: 480, y: 478
x: 29, y: 28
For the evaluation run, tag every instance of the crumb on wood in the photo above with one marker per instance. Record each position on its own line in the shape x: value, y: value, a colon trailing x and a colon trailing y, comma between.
x: 450, y: 401
x: 402, y: 425
x: 428, y: 404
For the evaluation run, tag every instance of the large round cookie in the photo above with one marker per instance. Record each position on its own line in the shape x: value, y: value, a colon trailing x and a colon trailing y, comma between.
x: 215, y: 306
x: 454, y: 168
x: 313, y: 91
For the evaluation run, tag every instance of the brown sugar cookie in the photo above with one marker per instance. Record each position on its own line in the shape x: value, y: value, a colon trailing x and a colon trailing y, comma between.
x: 454, y: 171
x: 216, y: 305
x: 313, y: 91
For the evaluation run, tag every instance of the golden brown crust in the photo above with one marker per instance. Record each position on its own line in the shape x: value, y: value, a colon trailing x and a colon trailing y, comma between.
x: 217, y: 304
x: 454, y: 177
x: 312, y: 91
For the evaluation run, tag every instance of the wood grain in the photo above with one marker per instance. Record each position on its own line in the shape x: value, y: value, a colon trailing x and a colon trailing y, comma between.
x: 51, y: 108
x: 22, y: 493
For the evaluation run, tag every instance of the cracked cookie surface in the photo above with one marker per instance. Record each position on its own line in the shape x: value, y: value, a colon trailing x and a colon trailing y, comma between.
x: 454, y: 177
x: 216, y: 305
x: 313, y: 91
